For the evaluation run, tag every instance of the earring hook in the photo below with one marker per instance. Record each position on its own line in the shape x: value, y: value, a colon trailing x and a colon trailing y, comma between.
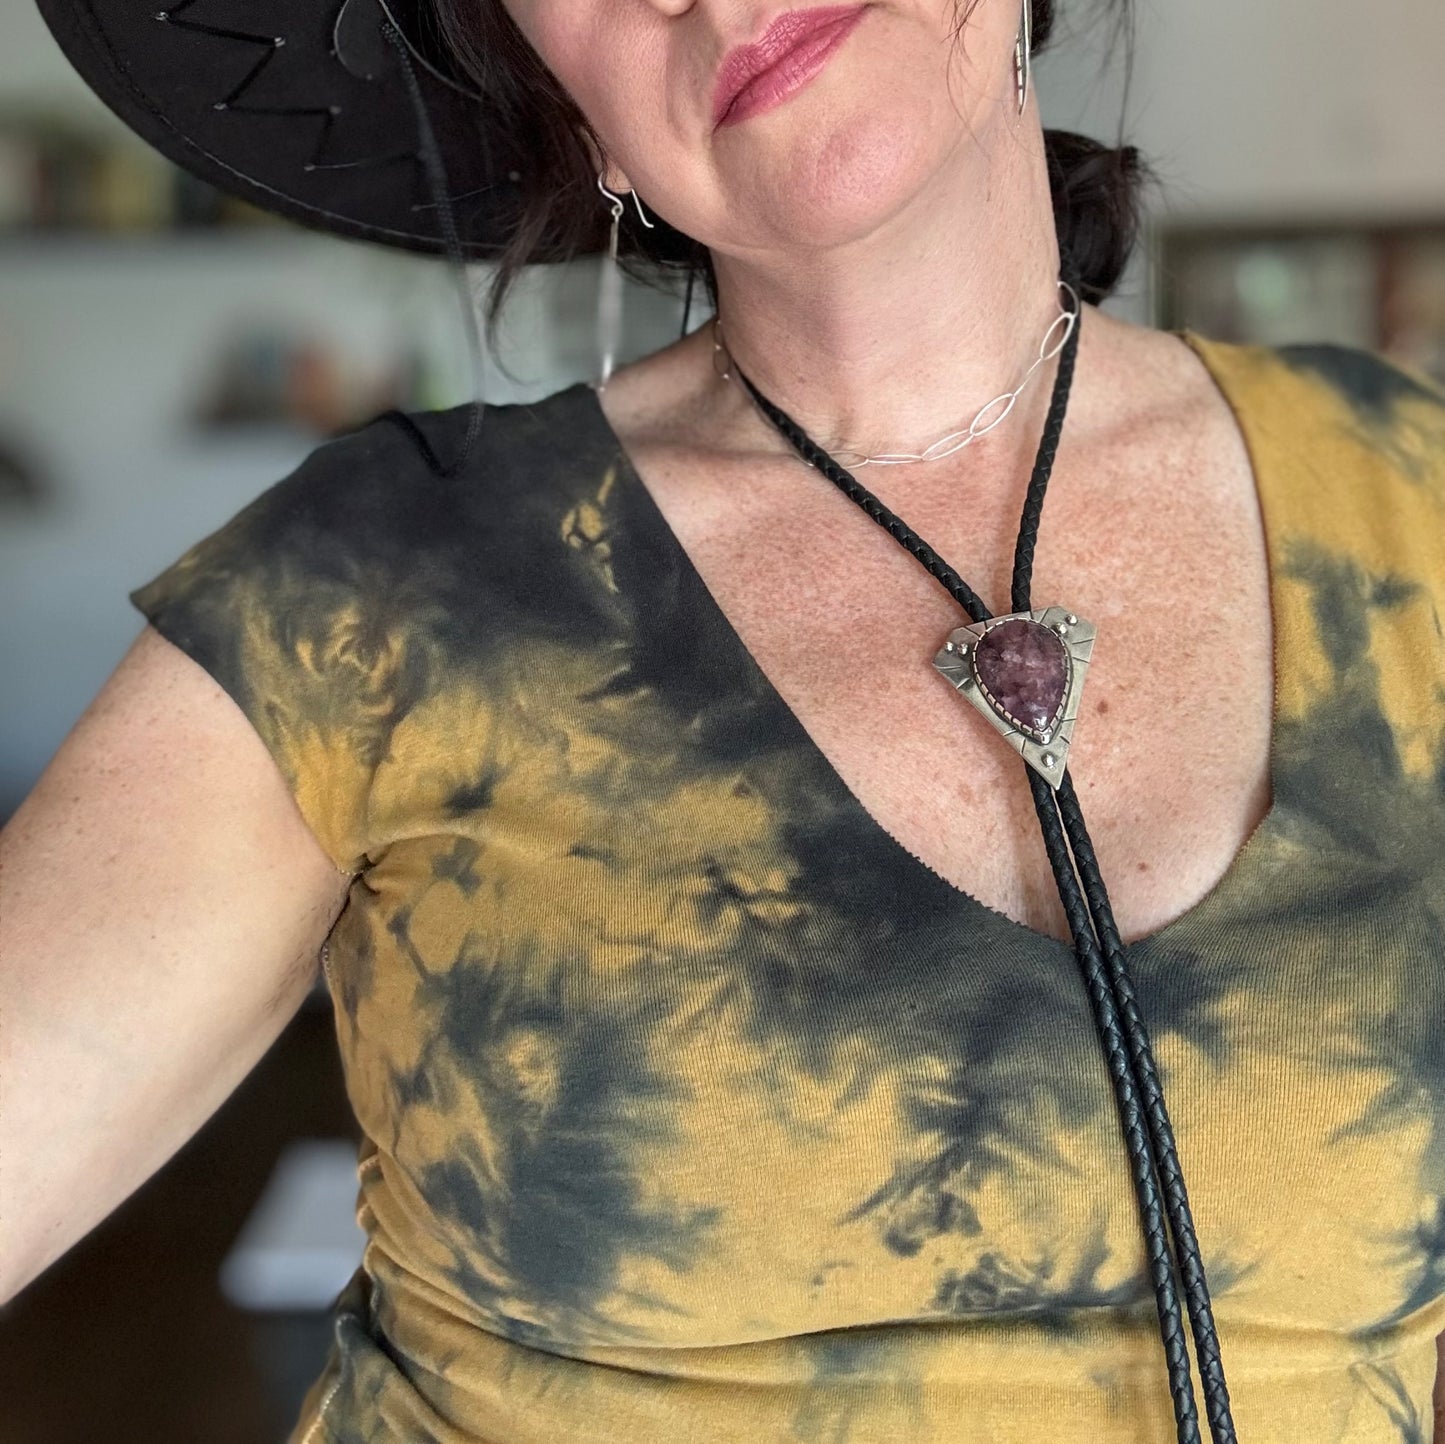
x: 616, y: 200
x: 617, y: 205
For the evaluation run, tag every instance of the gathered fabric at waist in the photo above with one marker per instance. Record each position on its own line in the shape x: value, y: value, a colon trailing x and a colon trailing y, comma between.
x: 405, y: 1368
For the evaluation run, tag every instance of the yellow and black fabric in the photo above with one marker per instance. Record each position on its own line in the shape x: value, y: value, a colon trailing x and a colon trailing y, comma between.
x: 698, y: 1111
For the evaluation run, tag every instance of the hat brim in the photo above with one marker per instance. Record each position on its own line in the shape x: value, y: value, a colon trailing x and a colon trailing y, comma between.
x: 320, y: 128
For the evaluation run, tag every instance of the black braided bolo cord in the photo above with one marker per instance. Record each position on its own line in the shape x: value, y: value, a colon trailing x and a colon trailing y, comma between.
x: 1100, y: 953
x: 1141, y: 1054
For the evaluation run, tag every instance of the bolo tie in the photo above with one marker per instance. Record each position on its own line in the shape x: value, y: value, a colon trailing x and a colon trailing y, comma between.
x: 1024, y: 672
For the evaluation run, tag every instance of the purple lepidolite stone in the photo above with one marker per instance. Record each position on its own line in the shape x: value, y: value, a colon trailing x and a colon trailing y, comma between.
x: 1024, y: 670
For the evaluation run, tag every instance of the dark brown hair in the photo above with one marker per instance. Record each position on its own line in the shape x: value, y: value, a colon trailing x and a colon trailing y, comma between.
x: 1096, y: 189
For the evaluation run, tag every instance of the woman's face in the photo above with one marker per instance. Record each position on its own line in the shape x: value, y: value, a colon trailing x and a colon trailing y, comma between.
x: 898, y: 107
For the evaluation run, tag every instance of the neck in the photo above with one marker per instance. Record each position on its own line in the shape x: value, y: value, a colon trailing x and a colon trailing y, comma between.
x: 894, y: 339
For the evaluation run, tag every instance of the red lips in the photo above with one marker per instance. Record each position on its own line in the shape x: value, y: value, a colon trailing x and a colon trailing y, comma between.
x: 744, y: 63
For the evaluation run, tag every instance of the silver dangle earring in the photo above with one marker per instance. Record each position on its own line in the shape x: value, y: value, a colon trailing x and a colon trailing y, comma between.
x: 609, y: 288
x: 1023, y: 54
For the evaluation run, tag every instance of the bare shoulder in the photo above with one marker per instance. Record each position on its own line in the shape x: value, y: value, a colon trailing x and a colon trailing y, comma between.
x: 661, y: 398
x: 1148, y: 376
x: 1148, y: 400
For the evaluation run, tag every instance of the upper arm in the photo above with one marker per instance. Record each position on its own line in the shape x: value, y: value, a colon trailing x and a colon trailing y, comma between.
x: 162, y: 907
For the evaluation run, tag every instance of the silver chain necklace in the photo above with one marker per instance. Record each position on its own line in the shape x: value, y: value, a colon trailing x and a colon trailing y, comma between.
x: 1055, y: 339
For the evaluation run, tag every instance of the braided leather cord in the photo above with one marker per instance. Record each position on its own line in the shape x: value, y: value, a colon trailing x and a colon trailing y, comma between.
x: 1147, y: 1132
x: 1191, y: 1267
x: 1136, y: 1036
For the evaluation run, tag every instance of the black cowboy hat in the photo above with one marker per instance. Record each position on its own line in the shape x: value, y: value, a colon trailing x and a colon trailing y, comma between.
x: 317, y: 110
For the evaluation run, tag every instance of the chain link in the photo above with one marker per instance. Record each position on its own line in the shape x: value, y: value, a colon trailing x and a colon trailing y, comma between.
x: 1055, y: 339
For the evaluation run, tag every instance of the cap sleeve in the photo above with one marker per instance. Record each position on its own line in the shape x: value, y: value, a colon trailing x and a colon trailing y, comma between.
x: 296, y: 607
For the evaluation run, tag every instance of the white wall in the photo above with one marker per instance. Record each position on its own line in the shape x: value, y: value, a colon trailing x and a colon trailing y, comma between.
x: 1273, y: 105
x: 32, y: 69
x: 1274, y: 108
x: 1294, y: 105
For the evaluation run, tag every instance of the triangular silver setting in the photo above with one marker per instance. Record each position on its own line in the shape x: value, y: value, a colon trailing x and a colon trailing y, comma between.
x: 1046, y: 752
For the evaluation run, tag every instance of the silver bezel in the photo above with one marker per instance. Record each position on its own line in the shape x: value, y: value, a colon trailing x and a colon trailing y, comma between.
x: 955, y: 661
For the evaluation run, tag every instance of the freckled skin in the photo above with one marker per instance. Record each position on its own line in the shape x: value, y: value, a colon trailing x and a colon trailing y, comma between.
x: 696, y: 1109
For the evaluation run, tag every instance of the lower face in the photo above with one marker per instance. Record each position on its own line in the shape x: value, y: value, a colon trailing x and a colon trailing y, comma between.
x: 862, y: 120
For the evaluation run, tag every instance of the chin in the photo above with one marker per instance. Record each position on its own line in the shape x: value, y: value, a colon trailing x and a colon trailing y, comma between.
x: 847, y: 172
x: 871, y: 135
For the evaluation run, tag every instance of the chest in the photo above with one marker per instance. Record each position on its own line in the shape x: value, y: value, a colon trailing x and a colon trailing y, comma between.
x: 1165, y: 552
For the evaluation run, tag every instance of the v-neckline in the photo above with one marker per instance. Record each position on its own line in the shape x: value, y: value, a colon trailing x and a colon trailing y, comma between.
x: 1217, y: 896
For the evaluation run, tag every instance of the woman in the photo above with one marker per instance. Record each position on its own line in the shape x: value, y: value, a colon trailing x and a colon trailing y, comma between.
x: 706, y: 984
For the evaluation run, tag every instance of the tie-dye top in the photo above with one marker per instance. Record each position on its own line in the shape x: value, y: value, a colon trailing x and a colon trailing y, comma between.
x: 696, y: 1110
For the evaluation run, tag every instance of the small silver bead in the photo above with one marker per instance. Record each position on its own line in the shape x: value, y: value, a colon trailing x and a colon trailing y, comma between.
x: 1048, y: 759
x: 950, y: 646
x: 1062, y: 628
x: 1071, y: 619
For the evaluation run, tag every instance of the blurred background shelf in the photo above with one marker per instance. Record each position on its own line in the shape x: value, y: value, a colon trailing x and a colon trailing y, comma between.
x: 157, y: 384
